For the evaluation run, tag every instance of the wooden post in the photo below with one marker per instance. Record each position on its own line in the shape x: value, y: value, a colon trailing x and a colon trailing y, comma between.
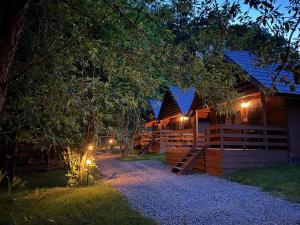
x: 222, y: 138
x: 264, y: 119
x: 196, y: 129
x: 106, y: 147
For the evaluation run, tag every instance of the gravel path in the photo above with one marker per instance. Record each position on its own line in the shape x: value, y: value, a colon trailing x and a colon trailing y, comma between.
x: 194, y: 199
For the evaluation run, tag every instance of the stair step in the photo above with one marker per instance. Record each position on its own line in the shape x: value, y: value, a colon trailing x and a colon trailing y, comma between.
x: 177, y: 168
x: 192, y: 153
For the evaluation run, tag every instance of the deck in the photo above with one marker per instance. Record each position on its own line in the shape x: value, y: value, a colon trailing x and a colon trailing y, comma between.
x: 228, y: 147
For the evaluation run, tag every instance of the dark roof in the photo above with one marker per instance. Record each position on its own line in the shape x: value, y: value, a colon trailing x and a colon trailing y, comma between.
x: 155, y: 104
x: 262, y: 74
x: 183, y: 97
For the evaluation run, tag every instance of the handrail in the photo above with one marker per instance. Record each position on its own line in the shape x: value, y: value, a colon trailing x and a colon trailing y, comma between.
x: 254, y: 127
x: 246, y: 137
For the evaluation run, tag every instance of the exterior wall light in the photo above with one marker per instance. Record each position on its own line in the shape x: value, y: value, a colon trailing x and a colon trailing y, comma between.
x: 184, y: 118
x: 245, y: 105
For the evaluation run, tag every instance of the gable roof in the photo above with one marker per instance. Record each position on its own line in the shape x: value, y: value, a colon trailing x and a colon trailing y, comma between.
x: 155, y: 104
x: 261, y: 74
x: 183, y: 97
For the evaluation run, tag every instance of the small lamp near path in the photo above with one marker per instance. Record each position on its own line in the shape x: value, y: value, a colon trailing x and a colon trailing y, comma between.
x: 88, y: 162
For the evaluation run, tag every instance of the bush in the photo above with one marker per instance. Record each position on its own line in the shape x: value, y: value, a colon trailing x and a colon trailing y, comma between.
x: 78, y: 172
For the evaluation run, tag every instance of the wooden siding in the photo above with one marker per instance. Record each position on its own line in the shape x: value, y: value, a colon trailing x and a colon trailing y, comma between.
x: 275, y: 111
x: 169, y: 107
x: 245, y: 87
x: 213, y: 162
x: 173, y: 157
x: 244, y: 137
x: 178, y: 143
x: 220, y: 163
x: 293, y: 114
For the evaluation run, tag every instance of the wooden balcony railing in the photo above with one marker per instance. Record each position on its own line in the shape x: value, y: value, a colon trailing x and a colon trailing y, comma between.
x: 174, y: 140
x: 246, y: 137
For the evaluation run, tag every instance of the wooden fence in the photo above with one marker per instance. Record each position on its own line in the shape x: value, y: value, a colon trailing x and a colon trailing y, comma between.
x: 246, y: 137
x: 177, y: 140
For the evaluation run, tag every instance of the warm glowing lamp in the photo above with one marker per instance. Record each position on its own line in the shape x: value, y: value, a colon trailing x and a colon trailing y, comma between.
x: 245, y: 105
x: 88, y: 162
x: 110, y: 141
x: 184, y: 118
x: 91, y: 147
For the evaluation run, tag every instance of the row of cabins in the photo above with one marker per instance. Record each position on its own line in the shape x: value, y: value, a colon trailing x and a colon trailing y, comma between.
x: 264, y: 129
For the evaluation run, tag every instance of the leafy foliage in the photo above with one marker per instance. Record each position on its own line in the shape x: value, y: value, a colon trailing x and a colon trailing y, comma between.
x: 85, y: 68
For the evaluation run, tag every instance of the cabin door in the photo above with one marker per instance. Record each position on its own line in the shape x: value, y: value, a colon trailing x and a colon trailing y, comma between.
x: 203, y: 120
x: 202, y: 124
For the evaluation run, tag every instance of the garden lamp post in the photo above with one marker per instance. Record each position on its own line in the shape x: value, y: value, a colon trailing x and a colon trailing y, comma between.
x: 88, y: 162
x: 90, y: 147
x: 110, y: 141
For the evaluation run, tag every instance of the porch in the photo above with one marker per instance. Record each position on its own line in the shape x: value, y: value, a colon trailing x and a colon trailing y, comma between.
x: 234, y: 147
x: 228, y: 147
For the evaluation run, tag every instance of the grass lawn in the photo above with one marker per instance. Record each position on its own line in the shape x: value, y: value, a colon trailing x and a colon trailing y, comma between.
x: 57, y: 204
x: 148, y: 156
x: 283, y: 180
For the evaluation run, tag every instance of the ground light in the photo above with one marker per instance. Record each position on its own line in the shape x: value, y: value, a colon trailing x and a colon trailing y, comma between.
x: 110, y: 142
x: 88, y: 162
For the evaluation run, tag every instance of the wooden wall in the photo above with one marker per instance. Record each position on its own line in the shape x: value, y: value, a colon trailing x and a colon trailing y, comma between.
x: 173, y: 157
x: 213, y: 162
x: 169, y: 107
x: 293, y: 114
x: 155, y: 148
x: 220, y: 163
x: 275, y: 110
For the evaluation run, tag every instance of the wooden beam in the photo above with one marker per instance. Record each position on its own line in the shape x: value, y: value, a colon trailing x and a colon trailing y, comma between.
x: 264, y: 118
x: 196, y: 129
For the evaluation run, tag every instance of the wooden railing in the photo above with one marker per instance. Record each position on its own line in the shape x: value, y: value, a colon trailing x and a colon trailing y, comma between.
x: 200, y: 140
x: 149, y: 137
x: 174, y: 140
x: 246, y: 137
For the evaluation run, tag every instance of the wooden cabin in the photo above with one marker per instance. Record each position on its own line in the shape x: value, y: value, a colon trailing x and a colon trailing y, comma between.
x: 149, y: 139
x: 262, y: 131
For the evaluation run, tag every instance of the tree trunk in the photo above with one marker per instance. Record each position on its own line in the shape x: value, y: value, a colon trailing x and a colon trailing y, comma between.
x: 10, y: 29
x: 125, y: 133
x: 46, y: 159
x: 3, y: 148
x: 12, y: 159
x: 134, y: 131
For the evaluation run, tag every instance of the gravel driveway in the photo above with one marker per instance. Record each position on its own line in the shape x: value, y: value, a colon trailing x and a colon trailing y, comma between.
x: 194, y: 199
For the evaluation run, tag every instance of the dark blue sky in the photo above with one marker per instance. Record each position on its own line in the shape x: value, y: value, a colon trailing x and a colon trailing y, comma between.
x: 282, y: 4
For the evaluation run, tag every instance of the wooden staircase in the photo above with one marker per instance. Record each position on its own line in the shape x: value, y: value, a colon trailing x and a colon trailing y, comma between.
x: 186, y: 164
x: 146, y: 148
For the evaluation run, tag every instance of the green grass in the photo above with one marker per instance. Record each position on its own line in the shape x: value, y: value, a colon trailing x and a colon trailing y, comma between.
x: 283, y: 180
x: 93, y: 205
x: 159, y: 157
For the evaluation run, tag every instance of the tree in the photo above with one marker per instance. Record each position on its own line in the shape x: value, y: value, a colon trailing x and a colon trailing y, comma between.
x: 80, y: 67
x: 282, y: 26
x: 11, y: 26
x: 86, y: 67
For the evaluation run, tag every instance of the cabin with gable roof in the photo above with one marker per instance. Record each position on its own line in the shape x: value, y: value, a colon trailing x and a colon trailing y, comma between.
x: 262, y: 131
